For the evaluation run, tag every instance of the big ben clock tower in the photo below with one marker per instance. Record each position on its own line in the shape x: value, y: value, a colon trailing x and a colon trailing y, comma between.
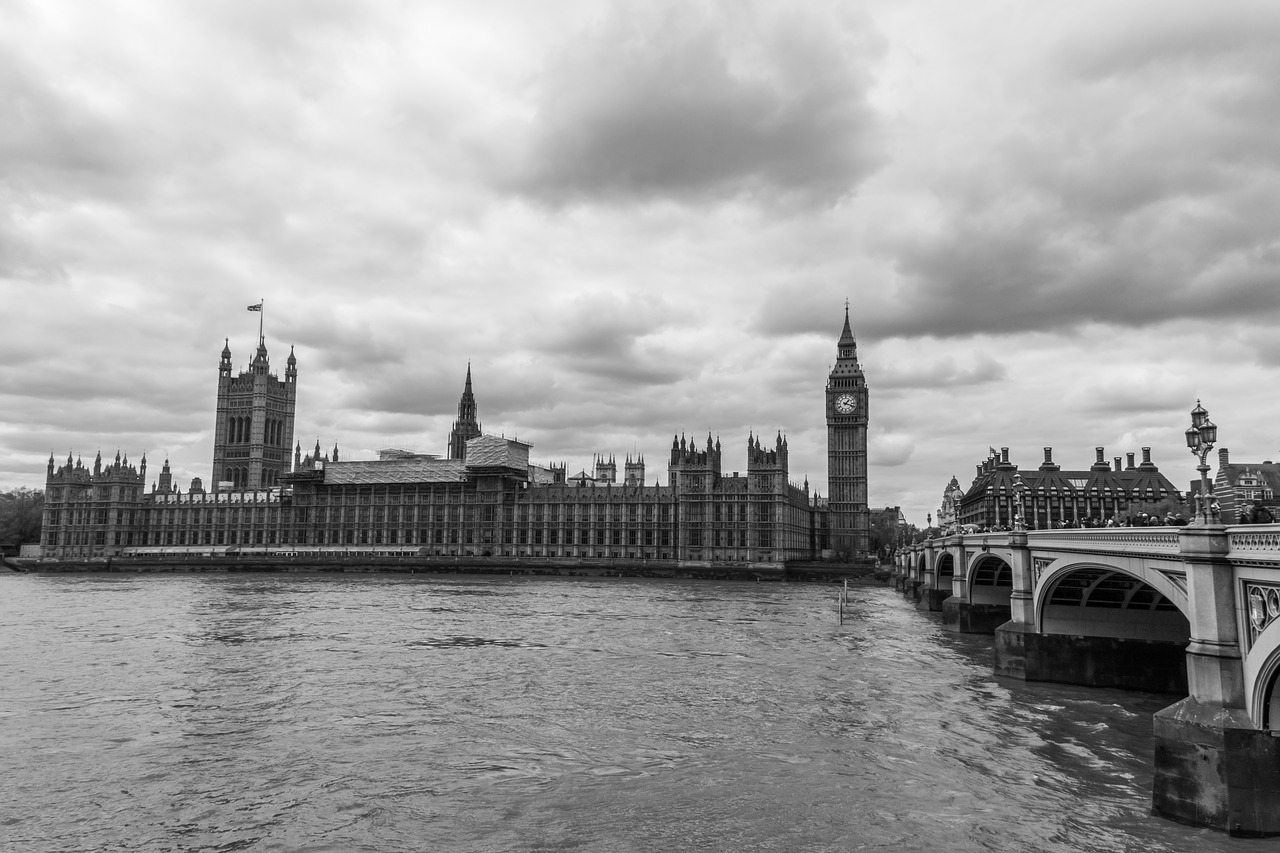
x: 847, y: 449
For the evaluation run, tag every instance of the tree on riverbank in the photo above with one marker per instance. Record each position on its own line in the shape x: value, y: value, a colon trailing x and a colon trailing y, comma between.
x: 20, y: 512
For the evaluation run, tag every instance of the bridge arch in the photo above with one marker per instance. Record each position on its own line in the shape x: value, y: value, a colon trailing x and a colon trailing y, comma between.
x: 990, y: 580
x: 1264, y: 704
x: 944, y: 566
x: 921, y: 566
x: 1101, y: 600
x: 1262, y: 680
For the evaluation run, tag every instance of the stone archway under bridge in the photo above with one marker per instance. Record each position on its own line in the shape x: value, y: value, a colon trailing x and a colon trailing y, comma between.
x: 984, y: 605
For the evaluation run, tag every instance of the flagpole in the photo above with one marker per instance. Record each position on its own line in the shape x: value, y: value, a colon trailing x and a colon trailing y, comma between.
x: 261, y: 312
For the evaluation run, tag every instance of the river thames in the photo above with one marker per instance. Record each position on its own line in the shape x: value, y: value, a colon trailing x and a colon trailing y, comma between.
x: 404, y: 713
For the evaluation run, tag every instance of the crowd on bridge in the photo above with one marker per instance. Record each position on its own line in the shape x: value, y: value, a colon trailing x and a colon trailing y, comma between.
x: 1254, y: 513
x: 1141, y: 519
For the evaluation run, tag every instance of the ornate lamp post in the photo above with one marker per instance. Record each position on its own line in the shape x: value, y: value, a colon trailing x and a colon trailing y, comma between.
x: 1018, y: 488
x: 1201, y: 436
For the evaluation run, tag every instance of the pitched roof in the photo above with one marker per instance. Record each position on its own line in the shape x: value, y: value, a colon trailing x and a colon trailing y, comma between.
x: 1107, y: 480
x: 416, y: 470
x: 491, y: 451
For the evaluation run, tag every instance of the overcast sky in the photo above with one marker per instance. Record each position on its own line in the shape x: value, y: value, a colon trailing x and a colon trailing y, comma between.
x: 1057, y: 225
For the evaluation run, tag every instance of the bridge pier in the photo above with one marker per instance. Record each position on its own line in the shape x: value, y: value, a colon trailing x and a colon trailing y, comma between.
x: 904, y: 572
x: 931, y: 598
x: 936, y: 585
x: 1011, y: 637
x: 1213, y: 766
x: 967, y: 617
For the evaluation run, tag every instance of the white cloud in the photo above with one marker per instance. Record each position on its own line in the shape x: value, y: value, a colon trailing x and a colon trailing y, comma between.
x: 1056, y: 227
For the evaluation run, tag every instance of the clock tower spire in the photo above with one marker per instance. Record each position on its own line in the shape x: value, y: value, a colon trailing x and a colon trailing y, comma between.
x: 846, y: 399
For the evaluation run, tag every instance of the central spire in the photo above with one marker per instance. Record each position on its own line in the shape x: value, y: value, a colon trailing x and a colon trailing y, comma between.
x: 467, y: 426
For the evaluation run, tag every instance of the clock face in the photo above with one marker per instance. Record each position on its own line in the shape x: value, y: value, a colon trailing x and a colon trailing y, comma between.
x: 846, y: 404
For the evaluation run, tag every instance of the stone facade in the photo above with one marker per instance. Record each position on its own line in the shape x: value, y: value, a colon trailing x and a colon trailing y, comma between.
x: 949, y: 509
x: 1052, y: 496
x: 253, y: 431
x: 484, y: 500
x: 846, y: 410
x: 1239, y: 484
x: 467, y: 426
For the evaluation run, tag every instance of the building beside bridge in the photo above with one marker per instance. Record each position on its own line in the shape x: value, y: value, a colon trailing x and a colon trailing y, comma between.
x: 1052, y: 496
x: 1238, y: 484
x: 483, y: 498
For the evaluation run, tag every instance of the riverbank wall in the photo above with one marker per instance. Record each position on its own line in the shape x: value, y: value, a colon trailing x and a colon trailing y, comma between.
x: 167, y: 564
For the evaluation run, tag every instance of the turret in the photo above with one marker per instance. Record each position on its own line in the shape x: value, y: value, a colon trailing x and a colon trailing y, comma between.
x: 261, y: 364
x: 634, y: 472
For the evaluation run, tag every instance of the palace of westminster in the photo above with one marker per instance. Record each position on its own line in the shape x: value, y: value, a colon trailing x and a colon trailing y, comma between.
x: 483, y: 498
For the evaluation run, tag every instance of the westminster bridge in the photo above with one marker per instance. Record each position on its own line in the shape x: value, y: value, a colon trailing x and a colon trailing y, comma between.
x: 1192, y: 611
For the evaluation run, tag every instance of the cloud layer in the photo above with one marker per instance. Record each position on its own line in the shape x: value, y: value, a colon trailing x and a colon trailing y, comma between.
x: 1055, y: 227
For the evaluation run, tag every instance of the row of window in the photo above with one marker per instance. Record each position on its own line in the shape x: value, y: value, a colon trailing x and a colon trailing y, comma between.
x: 240, y: 430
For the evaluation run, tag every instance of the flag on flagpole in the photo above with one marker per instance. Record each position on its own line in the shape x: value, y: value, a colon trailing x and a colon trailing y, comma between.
x: 257, y: 307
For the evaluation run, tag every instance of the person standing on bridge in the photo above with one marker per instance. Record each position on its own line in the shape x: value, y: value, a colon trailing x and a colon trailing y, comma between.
x: 1256, y: 514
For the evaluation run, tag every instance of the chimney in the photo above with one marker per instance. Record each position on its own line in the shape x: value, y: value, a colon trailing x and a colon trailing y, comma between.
x: 1146, y: 459
x: 1128, y: 458
x: 1004, y: 456
x: 1048, y: 465
x: 1222, y: 457
x: 1100, y: 463
x: 1117, y: 461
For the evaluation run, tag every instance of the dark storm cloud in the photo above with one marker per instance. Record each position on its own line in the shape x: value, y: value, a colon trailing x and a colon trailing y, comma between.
x: 699, y: 102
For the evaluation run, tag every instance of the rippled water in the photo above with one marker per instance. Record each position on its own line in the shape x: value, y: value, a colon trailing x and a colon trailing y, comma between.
x: 388, y: 713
